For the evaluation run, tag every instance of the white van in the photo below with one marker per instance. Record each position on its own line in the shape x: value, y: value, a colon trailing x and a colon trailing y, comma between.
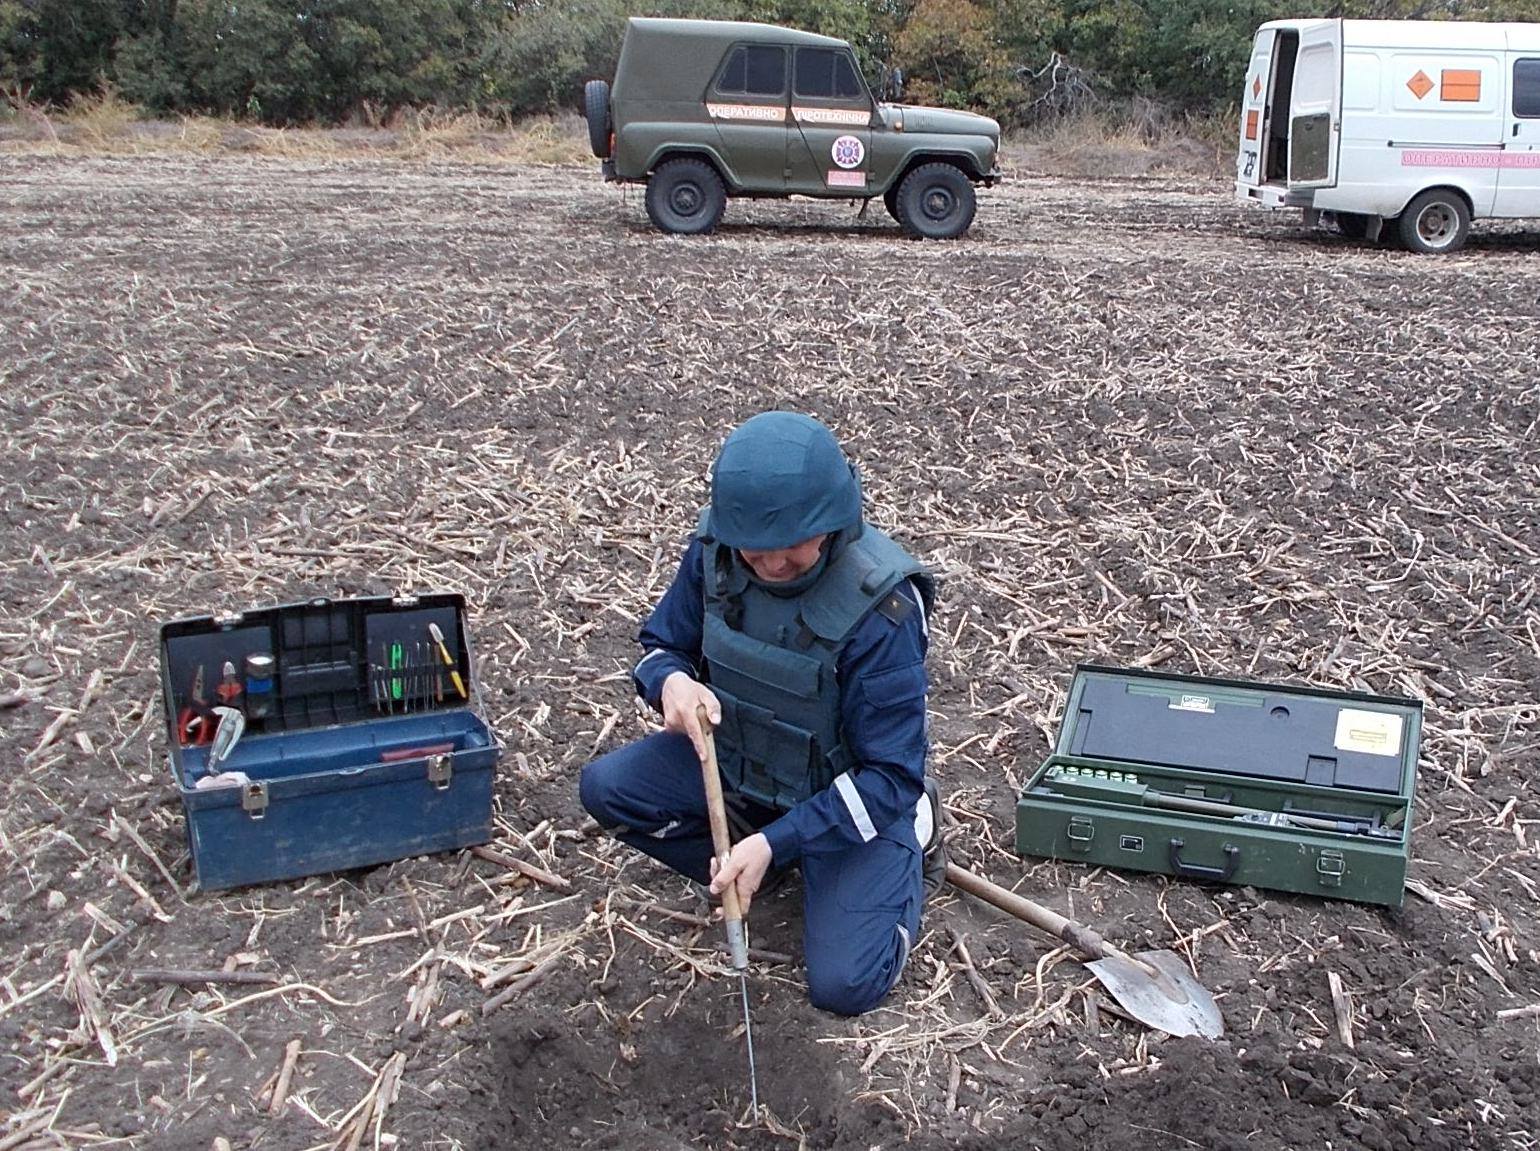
x: 1423, y: 125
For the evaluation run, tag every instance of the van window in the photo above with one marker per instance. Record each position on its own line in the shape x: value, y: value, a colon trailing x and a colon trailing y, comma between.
x: 754, y: 70
x: 826, y: 72
x: 1526, y: 88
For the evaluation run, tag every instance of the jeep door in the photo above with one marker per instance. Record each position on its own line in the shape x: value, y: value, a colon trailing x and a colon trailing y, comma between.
x: 830, y: 151
x: 747, y: 104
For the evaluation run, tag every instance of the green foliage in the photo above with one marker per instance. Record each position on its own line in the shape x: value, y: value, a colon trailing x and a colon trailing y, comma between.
x: 540, y: 59
x: 1186, y: 51
x: 949, y: 56
x: 17, y: 55
x: 72, y: 43
x: 301, y: 61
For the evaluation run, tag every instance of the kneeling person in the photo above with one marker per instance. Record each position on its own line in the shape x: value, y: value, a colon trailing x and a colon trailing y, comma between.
x: 802, y: 631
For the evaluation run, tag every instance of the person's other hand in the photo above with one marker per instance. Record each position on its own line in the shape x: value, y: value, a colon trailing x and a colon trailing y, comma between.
x: 746, y: 866
x: 681, y: 697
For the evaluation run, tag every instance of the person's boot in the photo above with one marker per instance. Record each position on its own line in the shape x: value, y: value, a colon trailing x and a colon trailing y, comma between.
x: 928, y: 832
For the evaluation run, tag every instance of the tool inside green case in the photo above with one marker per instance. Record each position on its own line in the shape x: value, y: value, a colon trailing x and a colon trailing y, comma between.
x: 1113, y: 783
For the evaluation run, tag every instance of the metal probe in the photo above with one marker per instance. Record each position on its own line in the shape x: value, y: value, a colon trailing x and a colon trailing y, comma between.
x: 732, y: 913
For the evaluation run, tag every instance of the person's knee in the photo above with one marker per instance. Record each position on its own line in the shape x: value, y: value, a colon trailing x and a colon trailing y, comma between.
x: 845, y: 992
x: 596, y: 791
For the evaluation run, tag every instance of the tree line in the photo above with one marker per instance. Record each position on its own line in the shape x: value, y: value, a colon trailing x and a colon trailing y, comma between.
x: 331, y: 61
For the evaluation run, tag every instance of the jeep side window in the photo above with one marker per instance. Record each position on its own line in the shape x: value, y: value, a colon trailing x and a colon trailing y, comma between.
x: 826, y: 73
x: 1526, y: 89
x: 754, y: 70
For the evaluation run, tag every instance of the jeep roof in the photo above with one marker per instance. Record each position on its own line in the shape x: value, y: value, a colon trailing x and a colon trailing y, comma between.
x: 664, y: 59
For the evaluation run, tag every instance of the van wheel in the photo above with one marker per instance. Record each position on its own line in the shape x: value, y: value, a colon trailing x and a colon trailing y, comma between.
x: 1353, y: 225
x: 686, y: 197
x: 596, y: 110
x: 1436, y: 221
x: 935, y: 202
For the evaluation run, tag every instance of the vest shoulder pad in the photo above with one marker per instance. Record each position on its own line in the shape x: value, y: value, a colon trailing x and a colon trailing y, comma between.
x: 863, y: 577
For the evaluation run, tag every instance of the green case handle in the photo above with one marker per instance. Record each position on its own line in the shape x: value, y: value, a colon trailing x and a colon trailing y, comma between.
x: 1197, y: 871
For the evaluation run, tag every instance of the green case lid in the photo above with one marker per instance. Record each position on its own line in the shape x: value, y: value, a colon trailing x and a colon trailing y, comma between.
x: 1267, y: 731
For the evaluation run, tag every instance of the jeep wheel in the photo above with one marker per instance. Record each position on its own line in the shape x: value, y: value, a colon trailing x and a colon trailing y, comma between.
x: 686, y: 196
x: 1435, y: 222
x: 596, y: 110
x: 935, y: 202
x: 890, y: 201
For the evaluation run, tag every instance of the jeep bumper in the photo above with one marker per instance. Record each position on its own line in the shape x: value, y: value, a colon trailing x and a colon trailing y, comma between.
x: 607, y: 168
x: 990, y: 178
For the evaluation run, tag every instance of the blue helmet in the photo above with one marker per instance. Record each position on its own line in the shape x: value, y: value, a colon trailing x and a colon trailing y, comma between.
x: 779, y: 479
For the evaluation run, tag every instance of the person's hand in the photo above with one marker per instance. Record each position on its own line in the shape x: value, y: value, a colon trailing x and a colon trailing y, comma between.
x: 681, y: 697
x: 746, y: 866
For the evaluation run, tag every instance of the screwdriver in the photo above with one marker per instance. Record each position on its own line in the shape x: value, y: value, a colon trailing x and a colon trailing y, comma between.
x: 737, y: 939
x: 454, y: 674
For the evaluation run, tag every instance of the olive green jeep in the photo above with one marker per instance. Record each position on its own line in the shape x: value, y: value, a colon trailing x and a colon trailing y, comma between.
x: 706, y: 109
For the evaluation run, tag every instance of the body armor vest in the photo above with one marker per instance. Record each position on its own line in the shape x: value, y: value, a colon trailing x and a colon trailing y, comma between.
x: 772, y: 661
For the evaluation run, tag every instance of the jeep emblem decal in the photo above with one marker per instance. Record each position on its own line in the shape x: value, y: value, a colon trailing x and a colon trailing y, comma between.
x: 848, y: 151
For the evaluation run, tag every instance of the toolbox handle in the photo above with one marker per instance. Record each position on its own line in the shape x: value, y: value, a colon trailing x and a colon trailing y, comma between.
x: 1198, y: 871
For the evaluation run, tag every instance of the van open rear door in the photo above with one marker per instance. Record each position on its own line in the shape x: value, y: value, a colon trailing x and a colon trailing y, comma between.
x: 1316, y: 108
x: 1259, y: 81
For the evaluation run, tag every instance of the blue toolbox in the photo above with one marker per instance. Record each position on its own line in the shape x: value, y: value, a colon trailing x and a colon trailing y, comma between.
x: 326, y: 735
x: 1294, y: 788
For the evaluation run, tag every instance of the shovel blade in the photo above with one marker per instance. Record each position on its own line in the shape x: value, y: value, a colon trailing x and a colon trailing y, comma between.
x: 1166, y: 998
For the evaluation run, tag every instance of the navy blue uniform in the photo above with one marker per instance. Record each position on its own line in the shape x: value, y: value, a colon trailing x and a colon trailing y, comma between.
x: 855, y: 840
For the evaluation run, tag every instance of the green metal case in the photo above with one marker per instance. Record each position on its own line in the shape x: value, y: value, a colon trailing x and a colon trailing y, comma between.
x: 1291, y: 788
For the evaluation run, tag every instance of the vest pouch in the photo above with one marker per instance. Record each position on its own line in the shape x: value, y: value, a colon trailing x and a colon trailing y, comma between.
x: 766, y: 760
x: 772, y: 669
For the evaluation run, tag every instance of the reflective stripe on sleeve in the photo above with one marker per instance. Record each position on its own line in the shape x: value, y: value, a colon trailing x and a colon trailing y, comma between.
x: 645, y: 658
x: 858, y: 813
x: 919, y: 602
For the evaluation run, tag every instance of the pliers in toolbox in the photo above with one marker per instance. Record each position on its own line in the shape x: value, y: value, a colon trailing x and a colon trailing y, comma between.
x: 196, y: 721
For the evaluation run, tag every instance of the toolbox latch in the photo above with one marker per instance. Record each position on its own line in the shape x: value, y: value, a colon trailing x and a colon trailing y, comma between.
x: 1081, y: 832
x: 440, y: 771
x: 254, y: 799
x: 1330, y: 867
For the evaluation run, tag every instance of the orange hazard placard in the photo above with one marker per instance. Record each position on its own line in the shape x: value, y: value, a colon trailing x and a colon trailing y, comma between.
x: 1460, y: 85
x: 1251, y: 125
x: 1420, y: 84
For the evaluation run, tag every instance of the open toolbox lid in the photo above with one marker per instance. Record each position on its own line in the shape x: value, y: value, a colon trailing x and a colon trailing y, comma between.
x: 1288, y: 734
x: 332, y: 663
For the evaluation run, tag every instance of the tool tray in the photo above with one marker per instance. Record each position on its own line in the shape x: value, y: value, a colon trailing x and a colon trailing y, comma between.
x: 1228, y: 781
x: 365, y: 748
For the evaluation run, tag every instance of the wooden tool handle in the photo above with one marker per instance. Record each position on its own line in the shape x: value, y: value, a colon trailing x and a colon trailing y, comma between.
x: 716, y: 809
x: 1082, y: 938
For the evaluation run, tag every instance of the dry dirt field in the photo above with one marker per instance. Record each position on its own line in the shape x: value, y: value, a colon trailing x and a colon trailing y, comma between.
x: 1126, y: 421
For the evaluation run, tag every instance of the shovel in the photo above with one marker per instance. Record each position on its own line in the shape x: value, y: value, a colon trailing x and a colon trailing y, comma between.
x: 1155, y: 987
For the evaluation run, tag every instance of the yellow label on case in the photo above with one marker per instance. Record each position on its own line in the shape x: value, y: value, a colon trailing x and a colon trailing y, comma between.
x: 1372, y: 732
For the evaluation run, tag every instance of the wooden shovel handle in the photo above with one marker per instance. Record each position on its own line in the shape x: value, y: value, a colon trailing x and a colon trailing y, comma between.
x: 716, y: 809
x: 1084, y: 940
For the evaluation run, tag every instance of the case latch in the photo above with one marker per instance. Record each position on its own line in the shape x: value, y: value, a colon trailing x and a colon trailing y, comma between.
x: 254, y: 799
x: 1081, y: 832
x: 441, y: 770
x: 1330, y: 867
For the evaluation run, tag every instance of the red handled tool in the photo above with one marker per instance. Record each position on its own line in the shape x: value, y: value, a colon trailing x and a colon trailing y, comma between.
x: 195, y: 722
